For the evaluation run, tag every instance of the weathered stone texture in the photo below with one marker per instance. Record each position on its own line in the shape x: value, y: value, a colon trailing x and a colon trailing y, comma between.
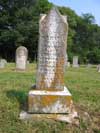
x: 50, y: 101
x: 21, y: 58
x: 52, y: 51
x: 51, y: 96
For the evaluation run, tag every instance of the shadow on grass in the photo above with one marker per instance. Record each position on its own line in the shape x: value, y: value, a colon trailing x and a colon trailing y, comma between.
x: 21, y: 97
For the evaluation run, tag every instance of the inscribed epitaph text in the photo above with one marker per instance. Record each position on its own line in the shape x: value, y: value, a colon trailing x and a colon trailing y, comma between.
x: 52, y: 51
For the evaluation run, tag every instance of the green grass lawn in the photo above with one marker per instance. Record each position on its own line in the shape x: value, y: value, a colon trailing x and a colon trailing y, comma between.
x: 83, y: 83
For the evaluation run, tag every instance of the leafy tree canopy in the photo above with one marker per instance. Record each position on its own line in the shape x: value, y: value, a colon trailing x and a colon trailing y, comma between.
x: 19, y: 25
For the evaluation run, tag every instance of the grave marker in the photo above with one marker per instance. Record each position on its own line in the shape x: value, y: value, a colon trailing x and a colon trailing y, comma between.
x: 2, y: 63
x: 75, y: 61
x: 51, y: 95
x: 98, y: 68
x: 50, y: 98
x: 21, y: 58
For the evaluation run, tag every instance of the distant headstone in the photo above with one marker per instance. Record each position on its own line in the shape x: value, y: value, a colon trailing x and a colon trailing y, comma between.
x: 68, y: 64
x: 4, y: 60
x: 2, y: 63
x: 89, y: 65
x: 98, y: 68
x: 28, y: 62
x: 75, y: 61
x: 21, y: 58
x: 51, y: 95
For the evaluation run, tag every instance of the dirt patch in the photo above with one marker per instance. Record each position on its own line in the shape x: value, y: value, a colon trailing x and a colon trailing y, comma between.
x: 89, y: 121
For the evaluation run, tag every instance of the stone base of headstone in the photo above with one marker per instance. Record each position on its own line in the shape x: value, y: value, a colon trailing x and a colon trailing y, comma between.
x: 20, y: 70
x: 41, y: 101
x: 71, y: 118
x: 56, y: 105
x: 89, y: 65
x: 76, y: 66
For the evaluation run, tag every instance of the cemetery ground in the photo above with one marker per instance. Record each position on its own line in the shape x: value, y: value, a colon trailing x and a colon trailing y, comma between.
x: 83, y: 83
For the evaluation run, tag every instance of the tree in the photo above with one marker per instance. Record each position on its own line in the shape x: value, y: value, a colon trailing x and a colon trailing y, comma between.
x: 19, y: 25
x: 88, y: 18
x: 94, y: 56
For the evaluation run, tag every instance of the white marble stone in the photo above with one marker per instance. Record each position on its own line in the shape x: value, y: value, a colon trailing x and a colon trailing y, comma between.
x: 2, y: 63
x: 59, y: 105
x: 75, y: 61
x: 65, y: 92
x: 21, y: 58
x: 50, y: 94
x: 53, y: 30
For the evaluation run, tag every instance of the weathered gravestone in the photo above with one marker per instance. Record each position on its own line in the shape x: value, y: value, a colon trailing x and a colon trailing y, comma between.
x: 21, y: 58
x: 89, y: 65
x: 4, y: 60
x: 51, y: 95
x: 68, y: 64
x: 98, y: 68
x: 3, y: 63
x: 28, y: 62
x: 75, y: 61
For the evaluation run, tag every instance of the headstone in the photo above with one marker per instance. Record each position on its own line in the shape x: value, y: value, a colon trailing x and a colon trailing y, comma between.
x: 51, y: 95
x: 68, y: 64
x: 98, y: 68
x: 89, y: 65
x: 28, y: 62
x: 21, y: 58
x: 75, y: 61
x: 2, y: 63
x: 4, y: 60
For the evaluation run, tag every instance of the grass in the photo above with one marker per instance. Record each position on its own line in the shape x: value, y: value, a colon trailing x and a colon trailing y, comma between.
x: 83, y: 83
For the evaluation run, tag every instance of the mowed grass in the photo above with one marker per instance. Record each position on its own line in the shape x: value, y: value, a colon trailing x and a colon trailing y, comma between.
x: 83, y: 83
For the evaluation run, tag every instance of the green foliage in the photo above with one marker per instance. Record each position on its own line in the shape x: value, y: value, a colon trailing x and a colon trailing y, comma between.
x: 85, y: 39
x: 94, y: 56
x: 19, y: 25
x: 88, y: 18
